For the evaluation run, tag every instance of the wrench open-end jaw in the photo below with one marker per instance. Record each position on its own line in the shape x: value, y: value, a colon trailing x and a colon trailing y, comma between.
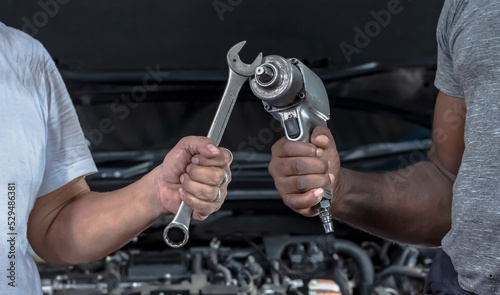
x: 239, y: 72
x: 239, y: 67
x: 176, y: 234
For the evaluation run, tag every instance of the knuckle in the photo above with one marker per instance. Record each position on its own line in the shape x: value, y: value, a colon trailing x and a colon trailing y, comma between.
x: 214, y: 193
x: 312, y: 150
x: 272, y: 164
x: 325, y: 181
x: 288, y: 148
x: 221, y: 176
x: 292, y: 202
x: 324, y: 166
x: 274, y: 148
x: 190, y: 139
x: 186, y: 184
x: 220, y: 200
x: 271, y: 170
x: 218, y: 176
x: 207, y: 210
x: 280, y: 185
x: 284, y: 185
x: 286, y: 200
x: 277, y: 147
x: 229, y: 178
x: 202, y: 216
x: 274, y: 167
x: 207, y: 192
x: 228, y: 156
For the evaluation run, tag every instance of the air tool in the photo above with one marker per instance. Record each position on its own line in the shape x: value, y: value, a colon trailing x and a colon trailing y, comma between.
x: 296, y: 97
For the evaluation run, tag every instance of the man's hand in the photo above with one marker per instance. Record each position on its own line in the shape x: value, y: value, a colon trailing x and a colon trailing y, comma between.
x: 73, y: 225
x: 301, y: 170
x: 410, y: 205
x: 196, y: 172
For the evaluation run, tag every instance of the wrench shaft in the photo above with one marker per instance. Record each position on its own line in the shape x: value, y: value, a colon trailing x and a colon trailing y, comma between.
x: 176, y: 233
x: 219, y: 123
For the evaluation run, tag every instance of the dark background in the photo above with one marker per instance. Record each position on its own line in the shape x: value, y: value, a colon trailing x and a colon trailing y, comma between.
x: 96, y: 35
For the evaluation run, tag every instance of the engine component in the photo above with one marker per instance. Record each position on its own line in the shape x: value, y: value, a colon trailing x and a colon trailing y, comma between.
x: 176, y: 234
x: 279, y: 265
x: 297, y: 98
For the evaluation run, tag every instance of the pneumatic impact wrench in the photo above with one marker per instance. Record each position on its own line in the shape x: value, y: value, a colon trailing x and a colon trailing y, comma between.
x: 297, y: 98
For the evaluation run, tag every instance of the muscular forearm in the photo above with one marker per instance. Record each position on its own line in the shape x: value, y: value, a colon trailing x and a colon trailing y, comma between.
x: 72, y: 225
x: 95, y: 224
x: 412, y: 205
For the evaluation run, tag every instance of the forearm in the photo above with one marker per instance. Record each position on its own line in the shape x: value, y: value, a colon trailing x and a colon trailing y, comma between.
x: 412, y: 205
x: 93, y: 224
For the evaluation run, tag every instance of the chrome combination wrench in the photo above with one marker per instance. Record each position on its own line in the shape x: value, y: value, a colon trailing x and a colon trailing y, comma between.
x: 176, y: 234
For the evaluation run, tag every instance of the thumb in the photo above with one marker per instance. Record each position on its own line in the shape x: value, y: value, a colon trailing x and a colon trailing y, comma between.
x: 181, y: 154
x: 322, y: 137
x: 200, y: 145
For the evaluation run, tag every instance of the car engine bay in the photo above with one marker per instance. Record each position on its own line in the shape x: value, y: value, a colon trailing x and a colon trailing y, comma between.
x: 278, y: 265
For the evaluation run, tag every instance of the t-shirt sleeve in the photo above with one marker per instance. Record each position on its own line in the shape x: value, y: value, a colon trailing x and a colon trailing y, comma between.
x: 67, y: 154
x: 445, y: 76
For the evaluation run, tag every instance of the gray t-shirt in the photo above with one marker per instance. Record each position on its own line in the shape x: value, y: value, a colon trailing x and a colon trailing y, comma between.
x: 468, y: 38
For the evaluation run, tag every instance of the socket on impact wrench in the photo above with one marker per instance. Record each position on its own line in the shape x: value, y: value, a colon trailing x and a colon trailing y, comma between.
x: 176, y: 234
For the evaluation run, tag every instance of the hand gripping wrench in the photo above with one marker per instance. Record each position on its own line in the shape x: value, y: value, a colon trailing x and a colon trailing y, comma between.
x: 176, y: 234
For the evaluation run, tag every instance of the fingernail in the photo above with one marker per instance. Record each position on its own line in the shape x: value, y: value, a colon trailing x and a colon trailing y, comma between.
x: 188, y: 168
x: 322, y: 139
x: 332, y: 177
x: 318, y: 192
x: 182, y: 178
x: 181, y: 191
x: 319, y: 152
x: 195, y: 160
x: 212, y: 148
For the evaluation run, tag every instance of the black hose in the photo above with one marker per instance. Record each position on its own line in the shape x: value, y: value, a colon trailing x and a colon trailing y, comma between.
x: 384, y: 257
x: 407, y: 271
x: 363, y: 261
x: 341, y: 279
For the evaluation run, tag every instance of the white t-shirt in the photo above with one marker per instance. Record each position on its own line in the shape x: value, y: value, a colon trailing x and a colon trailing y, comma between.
x: 42, y: 148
